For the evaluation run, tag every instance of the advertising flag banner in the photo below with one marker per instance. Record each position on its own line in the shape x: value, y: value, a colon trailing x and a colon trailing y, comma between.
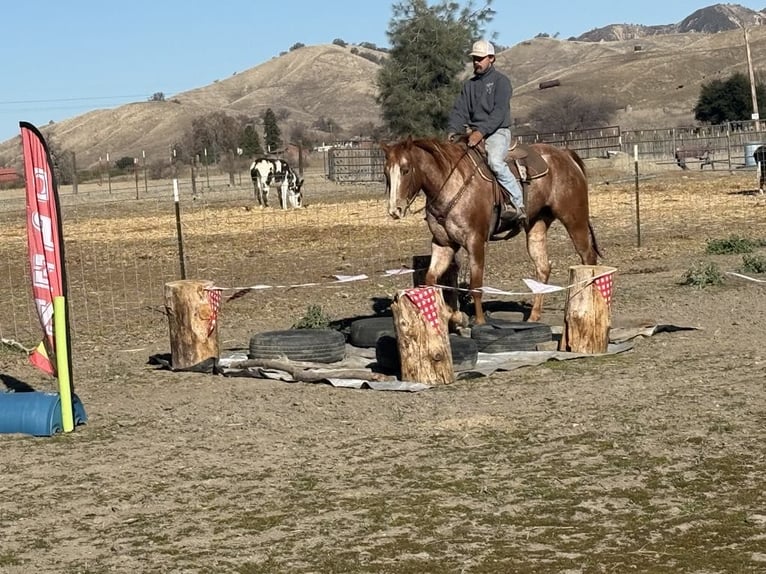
x: 44, y: 240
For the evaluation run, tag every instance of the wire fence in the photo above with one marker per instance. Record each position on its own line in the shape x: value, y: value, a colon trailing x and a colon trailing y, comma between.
x: 121, y: 248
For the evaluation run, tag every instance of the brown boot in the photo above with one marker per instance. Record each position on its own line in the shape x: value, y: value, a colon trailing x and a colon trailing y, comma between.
x: 511, y: 214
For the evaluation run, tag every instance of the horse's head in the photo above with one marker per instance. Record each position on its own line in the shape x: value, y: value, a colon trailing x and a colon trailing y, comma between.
x: 402, y: 180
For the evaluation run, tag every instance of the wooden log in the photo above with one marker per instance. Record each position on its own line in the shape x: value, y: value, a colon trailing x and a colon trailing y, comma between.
x: 424, y: 351
x: 193, y: 333
x: 586, y: 314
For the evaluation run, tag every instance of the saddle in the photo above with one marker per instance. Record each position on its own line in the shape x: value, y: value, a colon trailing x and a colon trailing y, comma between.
x: 526, y: 165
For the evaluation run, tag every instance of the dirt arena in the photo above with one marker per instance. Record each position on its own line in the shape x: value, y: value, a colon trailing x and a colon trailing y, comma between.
x: 648, y: 461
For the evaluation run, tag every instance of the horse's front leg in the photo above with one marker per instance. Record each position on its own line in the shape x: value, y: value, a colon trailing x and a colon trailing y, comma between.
x: 441, y: 259
x: 476, y: 269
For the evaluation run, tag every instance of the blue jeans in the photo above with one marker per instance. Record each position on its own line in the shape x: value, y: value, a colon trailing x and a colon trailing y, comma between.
x: 497, y: 146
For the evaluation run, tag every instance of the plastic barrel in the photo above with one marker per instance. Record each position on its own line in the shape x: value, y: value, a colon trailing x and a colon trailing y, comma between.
x: 750, y: 148
x: 36, y: 413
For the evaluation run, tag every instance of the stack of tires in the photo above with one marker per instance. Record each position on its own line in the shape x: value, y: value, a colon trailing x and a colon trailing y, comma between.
x: 380, y: 333
x: 498, y: 336
x: 312, y: 345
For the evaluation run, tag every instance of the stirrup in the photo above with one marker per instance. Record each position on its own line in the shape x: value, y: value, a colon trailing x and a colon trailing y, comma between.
x: 510, y: 212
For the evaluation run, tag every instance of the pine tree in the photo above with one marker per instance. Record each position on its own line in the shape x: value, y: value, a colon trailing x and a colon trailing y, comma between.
x: 419, y: 81
x: 251, y: 142
x: 271, y: 135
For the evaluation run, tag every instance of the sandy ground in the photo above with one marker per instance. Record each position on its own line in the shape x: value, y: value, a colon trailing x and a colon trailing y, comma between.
x: 648, y: 461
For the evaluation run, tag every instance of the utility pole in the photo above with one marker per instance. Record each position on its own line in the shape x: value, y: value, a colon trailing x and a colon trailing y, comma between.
x: 756, y: 115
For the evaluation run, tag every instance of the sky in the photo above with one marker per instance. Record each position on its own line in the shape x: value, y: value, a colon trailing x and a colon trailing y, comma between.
x: 61, y: 59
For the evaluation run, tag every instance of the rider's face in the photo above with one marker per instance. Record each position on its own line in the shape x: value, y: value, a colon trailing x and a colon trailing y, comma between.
x: 481, y: 64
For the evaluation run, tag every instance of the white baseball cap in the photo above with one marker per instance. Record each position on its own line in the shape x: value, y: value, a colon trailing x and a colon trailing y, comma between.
x: 482, y: 48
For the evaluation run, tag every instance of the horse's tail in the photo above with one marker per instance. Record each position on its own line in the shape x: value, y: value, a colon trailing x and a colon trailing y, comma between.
x: 593, y: 239
x: 581, y: 164
x: 577, y: 159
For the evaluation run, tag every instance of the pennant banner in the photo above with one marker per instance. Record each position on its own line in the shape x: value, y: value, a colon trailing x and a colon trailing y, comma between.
x: 605, y: 286
x: 424, y: 298
x: 46, y: 249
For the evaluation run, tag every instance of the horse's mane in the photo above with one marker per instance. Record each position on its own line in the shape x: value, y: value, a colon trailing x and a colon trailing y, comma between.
x: 446, y: 154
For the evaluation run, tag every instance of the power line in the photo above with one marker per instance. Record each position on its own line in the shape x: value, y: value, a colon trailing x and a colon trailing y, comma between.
x: 82, y: 99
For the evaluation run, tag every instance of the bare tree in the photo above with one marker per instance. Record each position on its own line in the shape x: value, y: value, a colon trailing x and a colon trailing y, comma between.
x: 564, y: 112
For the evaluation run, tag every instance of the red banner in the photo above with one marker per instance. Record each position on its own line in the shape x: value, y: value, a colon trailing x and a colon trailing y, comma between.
x: 46, y: 257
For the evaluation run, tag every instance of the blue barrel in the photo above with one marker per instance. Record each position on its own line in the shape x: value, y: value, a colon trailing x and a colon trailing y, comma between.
x: 36, y: 413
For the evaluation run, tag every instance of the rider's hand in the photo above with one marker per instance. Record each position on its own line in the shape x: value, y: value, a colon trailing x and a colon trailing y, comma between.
x: 474, y: 138
x: 452, y: 137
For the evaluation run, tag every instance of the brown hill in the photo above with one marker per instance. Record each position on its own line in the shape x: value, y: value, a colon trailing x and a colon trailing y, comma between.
x: 709, y: 20
x: 303, y: 85
x: 655, y: 86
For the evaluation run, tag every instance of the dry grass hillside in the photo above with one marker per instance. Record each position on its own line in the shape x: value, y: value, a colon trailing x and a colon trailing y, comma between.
x: 655, y: 87
x: 305, y: 84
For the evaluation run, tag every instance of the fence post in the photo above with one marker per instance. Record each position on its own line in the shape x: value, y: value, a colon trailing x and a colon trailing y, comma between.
x: 638, y: 210
x: 74, y: 173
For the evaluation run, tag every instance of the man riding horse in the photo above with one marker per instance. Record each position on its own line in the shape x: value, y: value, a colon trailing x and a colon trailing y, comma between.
x: 484, y: 107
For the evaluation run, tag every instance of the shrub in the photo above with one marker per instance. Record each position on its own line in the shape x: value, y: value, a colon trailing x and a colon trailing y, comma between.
x: 703, y: 275
x: 754, y: 263
x: 339, y: 42
x: 734, y: 244
x: 313, y: 319
x: 124, y: 162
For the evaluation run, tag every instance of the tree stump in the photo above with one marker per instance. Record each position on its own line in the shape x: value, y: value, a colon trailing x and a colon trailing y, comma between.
x: 449, y: 278
x: 192, y: 317
x: 424, y: 350
x: 586, y: 314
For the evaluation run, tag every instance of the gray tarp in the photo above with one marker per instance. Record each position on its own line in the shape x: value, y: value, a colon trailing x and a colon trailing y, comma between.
x: 621, y: 340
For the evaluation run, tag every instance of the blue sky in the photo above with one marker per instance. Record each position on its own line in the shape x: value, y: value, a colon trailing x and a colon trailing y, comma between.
x: 64, y: 58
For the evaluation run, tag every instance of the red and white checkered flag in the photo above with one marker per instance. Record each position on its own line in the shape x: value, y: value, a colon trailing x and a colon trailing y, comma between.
x: 424, y: 298
x: 214, y: 300
x: 605, y: 285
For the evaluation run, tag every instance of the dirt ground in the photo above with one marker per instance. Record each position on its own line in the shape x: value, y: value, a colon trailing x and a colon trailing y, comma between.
x: 648, y: 461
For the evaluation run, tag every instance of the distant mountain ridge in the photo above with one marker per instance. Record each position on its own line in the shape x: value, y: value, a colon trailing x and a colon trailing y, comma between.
x: 710, y: 20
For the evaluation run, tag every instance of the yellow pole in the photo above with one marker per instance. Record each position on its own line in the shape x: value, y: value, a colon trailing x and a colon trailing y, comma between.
x: 62, y: 363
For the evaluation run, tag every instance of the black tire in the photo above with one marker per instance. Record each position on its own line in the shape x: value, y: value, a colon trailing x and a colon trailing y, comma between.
x: 315, y: 345
x: 511, y: 336
x: 366, y: 332
x: 464, y: 353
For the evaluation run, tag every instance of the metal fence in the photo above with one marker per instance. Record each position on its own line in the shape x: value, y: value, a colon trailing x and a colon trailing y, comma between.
x: 121, y: 243
x: 730, y: 146
x: 362, y: 164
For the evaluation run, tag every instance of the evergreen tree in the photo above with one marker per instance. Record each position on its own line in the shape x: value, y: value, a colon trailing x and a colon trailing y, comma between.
x: 251, y: 142
x: 728, y: 100
x: 271, y: 135
x: 419, y: 81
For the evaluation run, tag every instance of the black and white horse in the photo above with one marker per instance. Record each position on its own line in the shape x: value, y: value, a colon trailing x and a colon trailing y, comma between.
x: 266, y: 172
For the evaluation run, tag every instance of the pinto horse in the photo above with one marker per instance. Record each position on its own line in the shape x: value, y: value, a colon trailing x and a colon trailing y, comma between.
x: 460, y: 206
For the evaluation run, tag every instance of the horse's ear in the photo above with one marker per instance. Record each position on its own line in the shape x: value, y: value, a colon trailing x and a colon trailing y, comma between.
x: 385, y: 147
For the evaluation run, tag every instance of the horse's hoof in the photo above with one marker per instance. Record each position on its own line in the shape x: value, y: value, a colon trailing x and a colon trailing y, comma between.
x: 458, y: 319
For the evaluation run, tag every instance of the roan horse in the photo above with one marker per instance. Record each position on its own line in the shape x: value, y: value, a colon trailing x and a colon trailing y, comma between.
x: 460, y: 206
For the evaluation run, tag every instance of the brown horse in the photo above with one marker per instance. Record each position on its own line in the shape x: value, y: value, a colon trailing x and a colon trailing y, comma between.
x: 460, y: 206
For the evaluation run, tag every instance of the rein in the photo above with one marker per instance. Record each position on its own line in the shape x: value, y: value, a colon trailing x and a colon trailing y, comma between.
x: 442, y: 217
